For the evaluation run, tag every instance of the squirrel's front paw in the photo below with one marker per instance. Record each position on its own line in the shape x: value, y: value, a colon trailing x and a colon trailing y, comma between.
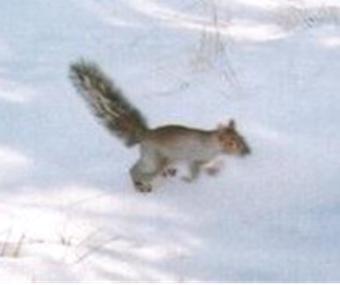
x: 169, y: 172
x: 143, y: 187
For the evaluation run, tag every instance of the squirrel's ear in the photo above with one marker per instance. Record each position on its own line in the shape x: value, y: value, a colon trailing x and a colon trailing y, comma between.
x: 232, y: 124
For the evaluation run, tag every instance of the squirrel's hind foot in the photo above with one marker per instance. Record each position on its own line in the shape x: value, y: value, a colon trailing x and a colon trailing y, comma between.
x: 143, y: 187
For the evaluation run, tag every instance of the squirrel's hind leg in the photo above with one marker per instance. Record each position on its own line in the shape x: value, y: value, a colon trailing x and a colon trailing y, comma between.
x: 141, y: 177
x: 145, y: 170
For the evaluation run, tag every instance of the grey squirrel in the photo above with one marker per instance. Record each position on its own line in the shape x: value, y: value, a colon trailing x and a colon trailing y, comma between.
x: 159, y: 147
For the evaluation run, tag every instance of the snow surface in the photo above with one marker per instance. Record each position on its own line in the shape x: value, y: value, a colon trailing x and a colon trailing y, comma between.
x: 68, y: 211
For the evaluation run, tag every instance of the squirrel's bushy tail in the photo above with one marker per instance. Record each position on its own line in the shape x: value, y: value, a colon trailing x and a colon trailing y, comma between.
x: 108, y: 103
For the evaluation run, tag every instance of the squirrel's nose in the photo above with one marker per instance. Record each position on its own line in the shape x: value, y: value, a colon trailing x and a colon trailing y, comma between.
x: 246, y: 150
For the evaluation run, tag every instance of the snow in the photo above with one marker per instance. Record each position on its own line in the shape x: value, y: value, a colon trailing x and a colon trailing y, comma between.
x: 68, y: 209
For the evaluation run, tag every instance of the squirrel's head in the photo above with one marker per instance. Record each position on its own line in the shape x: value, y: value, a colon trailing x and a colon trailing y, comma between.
x: 230, y: 140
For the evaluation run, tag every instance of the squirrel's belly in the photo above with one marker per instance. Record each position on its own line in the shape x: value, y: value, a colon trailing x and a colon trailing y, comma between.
x: 186, y: 153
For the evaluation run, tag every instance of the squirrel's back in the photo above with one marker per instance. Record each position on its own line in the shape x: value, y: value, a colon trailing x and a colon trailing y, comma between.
x: 169, y: 133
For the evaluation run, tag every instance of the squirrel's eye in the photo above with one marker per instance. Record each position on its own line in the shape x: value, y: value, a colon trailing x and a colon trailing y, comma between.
x: 232, y: 144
